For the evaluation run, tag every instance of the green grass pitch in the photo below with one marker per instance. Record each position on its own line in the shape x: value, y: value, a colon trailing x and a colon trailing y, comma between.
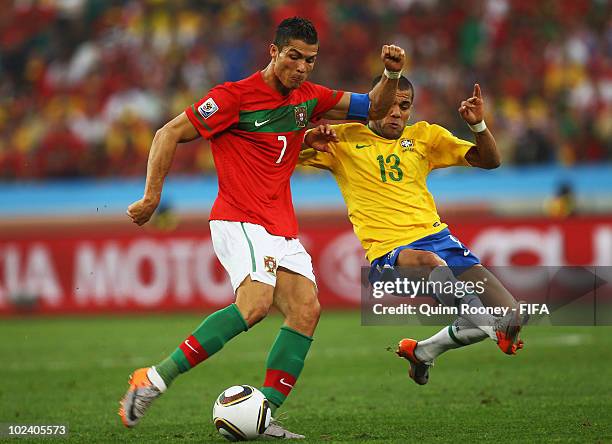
x: 74, y: 370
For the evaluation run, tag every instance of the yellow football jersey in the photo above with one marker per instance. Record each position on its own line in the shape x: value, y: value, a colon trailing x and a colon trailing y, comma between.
x: 383, y: 181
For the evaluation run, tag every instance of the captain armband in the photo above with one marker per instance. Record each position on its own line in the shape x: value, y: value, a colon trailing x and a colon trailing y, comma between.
x: 359, y: 107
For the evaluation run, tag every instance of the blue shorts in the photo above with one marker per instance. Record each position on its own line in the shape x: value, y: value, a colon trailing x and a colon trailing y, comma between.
x: 458, y: 257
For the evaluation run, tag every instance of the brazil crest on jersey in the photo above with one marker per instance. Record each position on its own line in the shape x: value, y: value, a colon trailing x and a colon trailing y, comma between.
x: 256, y: 135
x: 383, y: 181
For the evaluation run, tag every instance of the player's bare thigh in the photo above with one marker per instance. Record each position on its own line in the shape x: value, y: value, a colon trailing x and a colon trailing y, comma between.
x: 418, y: 258
x: 296, y: 298
x: 417, y: 264
x: 254, y: 300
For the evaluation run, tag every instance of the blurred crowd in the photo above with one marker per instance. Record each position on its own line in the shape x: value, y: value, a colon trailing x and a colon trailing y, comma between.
x: 84, y: 84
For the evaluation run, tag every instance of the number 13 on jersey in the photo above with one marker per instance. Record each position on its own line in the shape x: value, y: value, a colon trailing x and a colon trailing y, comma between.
x: 393, y: 161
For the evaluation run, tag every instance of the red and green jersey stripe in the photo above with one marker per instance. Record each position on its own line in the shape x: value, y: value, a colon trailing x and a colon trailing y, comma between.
x: 199, y: 117
x: 283, y: 119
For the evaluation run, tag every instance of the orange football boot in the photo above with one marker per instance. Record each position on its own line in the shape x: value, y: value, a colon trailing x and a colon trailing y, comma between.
x: 507, y: 331
x: 140, y: 395
x: 419, y: 371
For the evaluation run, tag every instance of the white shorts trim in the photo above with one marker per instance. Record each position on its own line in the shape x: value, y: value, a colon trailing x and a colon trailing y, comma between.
x: 246, y: 249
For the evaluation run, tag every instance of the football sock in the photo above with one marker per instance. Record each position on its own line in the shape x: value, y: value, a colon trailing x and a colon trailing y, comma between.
x: 459, y: 334
x: 168, y: 370
x: 210, y: 336
x: 465, y: 333
x: 485, y: 322
x: 284, y: 364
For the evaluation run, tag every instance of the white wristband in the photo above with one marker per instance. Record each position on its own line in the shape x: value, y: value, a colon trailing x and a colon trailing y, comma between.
x: 393, y: 74
x: 478, y: 127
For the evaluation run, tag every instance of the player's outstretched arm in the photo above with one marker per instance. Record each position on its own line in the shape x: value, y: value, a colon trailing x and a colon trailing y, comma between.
x: 320, y: 137
x: 161, y: 154
x: 382, y: 95
x: 485, y: 154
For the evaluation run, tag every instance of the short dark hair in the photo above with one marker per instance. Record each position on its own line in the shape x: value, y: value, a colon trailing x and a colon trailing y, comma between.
x: 403, y: 84
x: 295, y: 28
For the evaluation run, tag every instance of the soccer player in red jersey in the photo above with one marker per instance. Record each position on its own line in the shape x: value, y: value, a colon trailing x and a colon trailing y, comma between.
x: 256, y: 127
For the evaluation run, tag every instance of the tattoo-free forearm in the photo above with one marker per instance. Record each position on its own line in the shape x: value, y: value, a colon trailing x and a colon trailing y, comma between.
x: 159, y: 163
x: 306, y: 142
x: 486, y: 154
x: 382, y: 97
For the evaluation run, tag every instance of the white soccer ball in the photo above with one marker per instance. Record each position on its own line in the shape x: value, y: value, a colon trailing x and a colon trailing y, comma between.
x: 241, y: 413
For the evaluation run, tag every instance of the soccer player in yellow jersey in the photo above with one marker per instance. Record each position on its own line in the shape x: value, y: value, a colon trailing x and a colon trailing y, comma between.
x: 381, y: 169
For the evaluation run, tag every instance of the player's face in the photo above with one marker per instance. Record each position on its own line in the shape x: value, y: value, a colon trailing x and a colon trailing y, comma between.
x: 294, y: 62
x: 392, y: 126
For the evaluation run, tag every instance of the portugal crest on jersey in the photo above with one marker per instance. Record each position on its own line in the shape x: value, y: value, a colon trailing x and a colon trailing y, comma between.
x: 270, y: 265
x: 300, y: 116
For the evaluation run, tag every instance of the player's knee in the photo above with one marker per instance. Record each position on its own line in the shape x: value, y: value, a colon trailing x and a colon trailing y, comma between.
x: 308, y: 318
x: 305, y: 315
x: 257, y: 313
x: 313, y: 313
x: 254, y: 305
x: 253, y: 314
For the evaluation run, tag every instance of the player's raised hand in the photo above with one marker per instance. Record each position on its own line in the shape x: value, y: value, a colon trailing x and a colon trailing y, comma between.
x: 320, y: 137
x: 472, y: 109
x: 141, y: 211
x: 393, y: 57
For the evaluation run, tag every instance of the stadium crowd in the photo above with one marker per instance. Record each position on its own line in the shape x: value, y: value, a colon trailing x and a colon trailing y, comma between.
x: 84, y: 84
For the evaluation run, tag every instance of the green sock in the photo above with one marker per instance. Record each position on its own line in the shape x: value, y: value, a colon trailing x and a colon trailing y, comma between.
x: 284, y: 365
x: 168, y: 370
x: 210, y: 336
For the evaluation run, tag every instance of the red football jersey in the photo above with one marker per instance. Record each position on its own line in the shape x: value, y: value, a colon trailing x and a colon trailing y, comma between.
x: 256, y: 136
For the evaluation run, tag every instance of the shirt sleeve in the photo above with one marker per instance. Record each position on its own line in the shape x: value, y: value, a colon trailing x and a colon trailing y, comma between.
x: 215, y: 112
x: 326, y: 100
x: 316, y: 159
x: 447, y: 150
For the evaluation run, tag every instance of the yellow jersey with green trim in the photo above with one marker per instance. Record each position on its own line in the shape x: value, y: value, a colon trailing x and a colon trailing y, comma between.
x: 383, y: 181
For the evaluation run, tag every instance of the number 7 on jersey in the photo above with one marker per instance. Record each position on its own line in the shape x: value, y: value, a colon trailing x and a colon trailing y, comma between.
x: 282, y: 153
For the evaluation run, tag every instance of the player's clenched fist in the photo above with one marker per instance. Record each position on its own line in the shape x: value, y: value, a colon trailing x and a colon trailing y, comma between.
x: 141, y: 211
x: 319, y: 138
x: 393, y: 57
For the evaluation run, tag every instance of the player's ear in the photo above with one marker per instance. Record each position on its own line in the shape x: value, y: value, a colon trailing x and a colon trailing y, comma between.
x: 273, y: 50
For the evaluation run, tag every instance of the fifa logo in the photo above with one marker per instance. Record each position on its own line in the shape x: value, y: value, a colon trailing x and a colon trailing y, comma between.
x: 208, y: 108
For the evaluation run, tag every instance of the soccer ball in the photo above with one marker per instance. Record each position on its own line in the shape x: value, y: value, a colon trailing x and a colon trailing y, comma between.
x: 241, y: 413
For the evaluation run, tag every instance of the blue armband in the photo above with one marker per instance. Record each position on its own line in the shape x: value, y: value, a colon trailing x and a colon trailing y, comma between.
x: 359, y: 107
